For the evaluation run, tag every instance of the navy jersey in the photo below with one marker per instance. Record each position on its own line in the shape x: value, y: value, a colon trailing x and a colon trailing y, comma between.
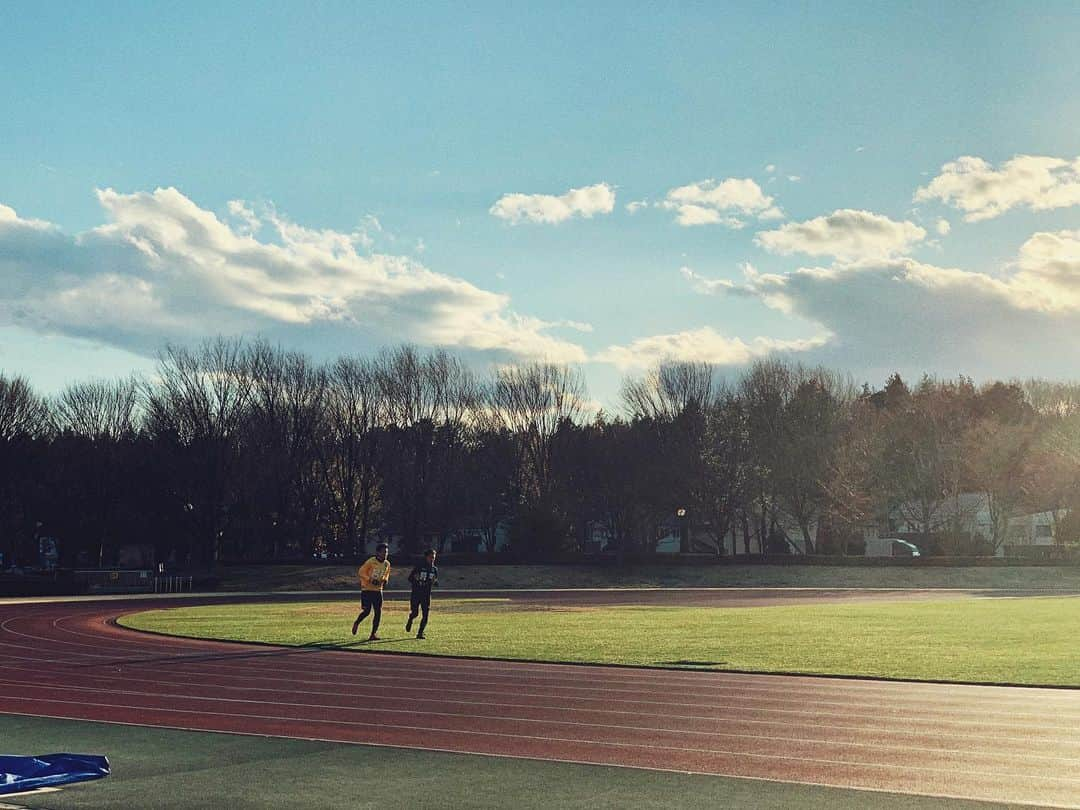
x: 423, y: 576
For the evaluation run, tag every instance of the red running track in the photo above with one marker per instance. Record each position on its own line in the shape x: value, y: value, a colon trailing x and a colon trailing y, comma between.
x: 68, y: 660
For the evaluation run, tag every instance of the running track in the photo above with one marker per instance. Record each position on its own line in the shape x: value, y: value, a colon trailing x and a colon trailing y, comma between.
x: 68, y: 660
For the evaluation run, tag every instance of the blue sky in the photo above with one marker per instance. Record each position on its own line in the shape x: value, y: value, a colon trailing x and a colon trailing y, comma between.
x: 394, y: 132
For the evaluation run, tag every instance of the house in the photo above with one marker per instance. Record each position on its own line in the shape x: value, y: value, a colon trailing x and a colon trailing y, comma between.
x: 1036, y: 529
x: 967, y: 513
x: 788, y: 533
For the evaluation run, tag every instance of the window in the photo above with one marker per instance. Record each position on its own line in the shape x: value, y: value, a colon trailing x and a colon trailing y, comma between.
x: 1045, y: 530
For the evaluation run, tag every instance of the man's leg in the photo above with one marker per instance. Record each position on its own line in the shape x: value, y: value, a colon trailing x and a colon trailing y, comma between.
x: 365, y: 603
x: 414, y: 610
x: 425, y: 606
x: 376, y: 605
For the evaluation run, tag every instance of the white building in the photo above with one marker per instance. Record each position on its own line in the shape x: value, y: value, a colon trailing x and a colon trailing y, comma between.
x: 970, y: 513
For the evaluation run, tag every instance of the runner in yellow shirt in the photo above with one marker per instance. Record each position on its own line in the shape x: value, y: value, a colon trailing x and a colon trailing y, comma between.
x: 373, y: 575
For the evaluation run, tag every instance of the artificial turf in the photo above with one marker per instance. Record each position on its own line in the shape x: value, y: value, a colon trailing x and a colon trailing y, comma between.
x: 162, y: 769
x: 984, y: 640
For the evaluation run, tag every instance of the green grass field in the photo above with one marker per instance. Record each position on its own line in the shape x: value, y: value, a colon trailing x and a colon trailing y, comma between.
x: 165, y: 769
x: 999, y: 640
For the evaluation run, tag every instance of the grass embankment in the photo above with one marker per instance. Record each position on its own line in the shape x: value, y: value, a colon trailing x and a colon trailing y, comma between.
x: 1026, y: 641
x: 343, y: 577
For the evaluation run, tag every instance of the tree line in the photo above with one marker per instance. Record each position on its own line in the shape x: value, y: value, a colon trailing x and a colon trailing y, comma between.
x: 237, y: 450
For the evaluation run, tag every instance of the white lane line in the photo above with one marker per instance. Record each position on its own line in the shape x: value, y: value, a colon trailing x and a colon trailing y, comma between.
x: 1039, y: 722
x: 368, y: 710
x: 784, y: 696
x: 886, y: 766
x: 563, y: 760
x: 723, y: 716
x: 611, y: 672
x: 1032, y: 695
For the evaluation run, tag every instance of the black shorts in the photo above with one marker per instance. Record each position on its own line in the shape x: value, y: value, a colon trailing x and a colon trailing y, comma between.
x: 370, y: 599
x: 420, y: 599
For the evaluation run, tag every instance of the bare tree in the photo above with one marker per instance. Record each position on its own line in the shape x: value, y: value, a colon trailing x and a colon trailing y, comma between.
x: 23, y: 414
x: 627, y: 475
x: 723, y: 485
x: 1050, y: 479
x: 1052, y: 398
x: 813, y: 420
x: 432, y: 400
x: 995, y: 455
x: 198, y: 402
x: 536, y: 403
x: 287, y: 408
x: 765, y: 390
x: 924, y: 460
x: 531, y: 401
x: 853, y: 483
x: 674, y: 399
x: 356, y: 411
x: 24, y: 419
x: 489, y: 479
x: 98, y: 421
x: 668, y: 389
x: 457, y: 396
x: 99, y: 409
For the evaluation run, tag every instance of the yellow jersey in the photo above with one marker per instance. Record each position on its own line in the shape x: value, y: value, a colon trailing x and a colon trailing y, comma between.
x: 373, y: 574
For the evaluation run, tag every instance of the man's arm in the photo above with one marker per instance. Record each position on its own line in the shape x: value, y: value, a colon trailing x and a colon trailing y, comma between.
x: 365, y: 574
x: 413, y: 573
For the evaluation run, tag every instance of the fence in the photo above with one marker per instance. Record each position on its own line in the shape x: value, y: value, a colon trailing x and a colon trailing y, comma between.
x: 114, y: 581
x: 168, y: 584
x: 121, y: 581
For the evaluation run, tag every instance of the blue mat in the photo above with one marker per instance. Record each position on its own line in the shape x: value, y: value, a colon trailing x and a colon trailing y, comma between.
x: 29, y: 773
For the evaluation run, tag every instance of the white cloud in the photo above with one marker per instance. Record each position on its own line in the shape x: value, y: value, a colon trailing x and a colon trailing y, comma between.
x: 982, y: 192
x: 704, y: 345
x: 546, y: 208
x: 248, y: 223
x: 943, y: 227
x: 706, y: 286
x: 794, y: 178
x: 162, y: 268
x: 577, y: 326
x: 755, y: 285
x: 10, y: 220
x: 1049, y: 270
x: 636, y: 205
x: 770, y: 169
x: 688, y: 215
x: 898, y: 313
x: 845, y: 234
x: 724, y: 202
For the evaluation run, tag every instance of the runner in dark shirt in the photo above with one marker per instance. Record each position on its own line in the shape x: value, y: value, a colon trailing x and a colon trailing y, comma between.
x: 423, y: 577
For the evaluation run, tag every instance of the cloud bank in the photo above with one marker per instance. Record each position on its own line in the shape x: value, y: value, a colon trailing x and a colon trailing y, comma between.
x: 704, y: 345
x: 162, y: 268
x: 897, y: 312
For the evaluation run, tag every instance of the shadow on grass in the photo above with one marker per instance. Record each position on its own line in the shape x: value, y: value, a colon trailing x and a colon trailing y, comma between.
x: 687, y: 663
